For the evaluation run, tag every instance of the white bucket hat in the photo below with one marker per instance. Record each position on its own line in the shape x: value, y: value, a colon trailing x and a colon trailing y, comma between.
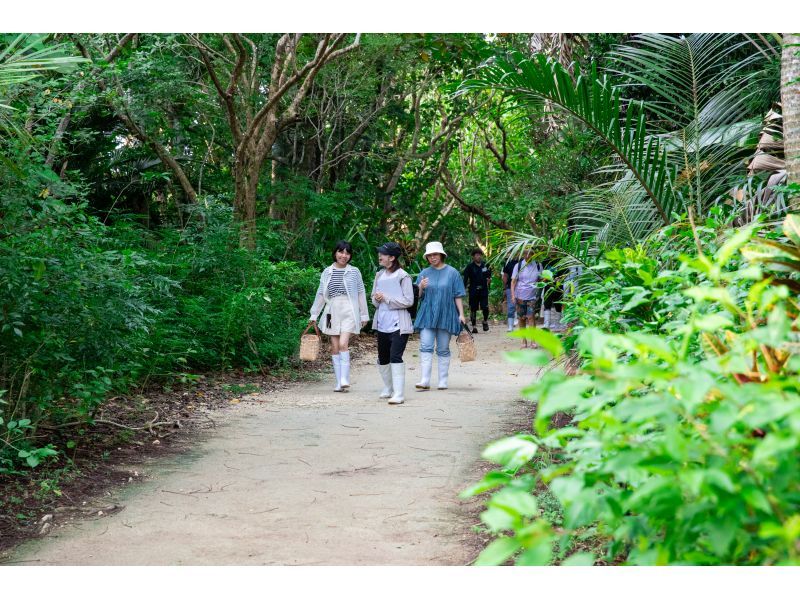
x: 433, y: 247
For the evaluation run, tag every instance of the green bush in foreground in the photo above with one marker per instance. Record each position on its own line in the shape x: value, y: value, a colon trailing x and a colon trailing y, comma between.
x: 683, y: 444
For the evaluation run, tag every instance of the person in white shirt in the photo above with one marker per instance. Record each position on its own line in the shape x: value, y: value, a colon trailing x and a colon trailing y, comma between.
x: 392, y: 294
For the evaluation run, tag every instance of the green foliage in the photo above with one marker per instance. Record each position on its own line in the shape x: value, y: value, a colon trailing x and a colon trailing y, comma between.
x: 598, y: 104
x: 87, y: 310
x: 684, y: 437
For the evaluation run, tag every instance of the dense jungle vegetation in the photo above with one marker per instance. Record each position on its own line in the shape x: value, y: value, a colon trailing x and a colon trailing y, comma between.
x: 167, y: 201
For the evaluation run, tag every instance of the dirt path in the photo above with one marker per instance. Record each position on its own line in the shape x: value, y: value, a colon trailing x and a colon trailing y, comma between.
x: 308, y: 476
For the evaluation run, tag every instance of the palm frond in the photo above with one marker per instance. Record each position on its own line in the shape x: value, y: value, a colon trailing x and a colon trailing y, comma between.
x: 568, y: 249
x: 683, y: 72
x: 598, y: 104
x: 616, y: 213
x: 704, y: 92
x: 26, y: 57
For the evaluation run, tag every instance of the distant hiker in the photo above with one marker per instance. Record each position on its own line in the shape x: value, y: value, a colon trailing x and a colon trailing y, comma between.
x: 341, y: 291
x: 477, y: 277
x: 440, y: 314
x: 511, y: 311
x: 392, y: 293
x: 524, y: 291
x: 551, y: 293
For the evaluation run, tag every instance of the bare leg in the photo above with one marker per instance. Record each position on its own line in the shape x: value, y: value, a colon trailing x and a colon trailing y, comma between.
x: 343, y: 341
x: 335, y: 345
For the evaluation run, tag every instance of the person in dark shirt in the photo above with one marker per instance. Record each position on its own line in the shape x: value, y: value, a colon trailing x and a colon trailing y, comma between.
x: 477, y: 276
x: 508, y: 270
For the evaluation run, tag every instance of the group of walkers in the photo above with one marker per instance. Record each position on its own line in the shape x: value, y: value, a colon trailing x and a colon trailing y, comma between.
x: 342, y: 303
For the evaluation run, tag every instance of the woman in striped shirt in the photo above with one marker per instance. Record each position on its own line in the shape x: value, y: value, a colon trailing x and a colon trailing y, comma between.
x: 341, y: 292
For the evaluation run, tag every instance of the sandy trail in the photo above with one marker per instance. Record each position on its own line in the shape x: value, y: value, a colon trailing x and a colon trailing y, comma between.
x: 308, y: 476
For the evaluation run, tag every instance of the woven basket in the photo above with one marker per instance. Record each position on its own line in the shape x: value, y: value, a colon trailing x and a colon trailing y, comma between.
x: 466, y: 346
x: 309, y: 343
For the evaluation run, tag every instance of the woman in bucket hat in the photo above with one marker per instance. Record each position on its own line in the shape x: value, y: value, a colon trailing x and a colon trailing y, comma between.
x: 341, y: 291
x: 440, y: 314
x: 392, y: 294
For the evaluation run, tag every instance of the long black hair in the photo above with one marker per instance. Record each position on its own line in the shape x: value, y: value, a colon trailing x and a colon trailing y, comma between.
x: 343, y: 246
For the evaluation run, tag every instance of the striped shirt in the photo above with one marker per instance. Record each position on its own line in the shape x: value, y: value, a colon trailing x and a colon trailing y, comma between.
x: 336, y: 283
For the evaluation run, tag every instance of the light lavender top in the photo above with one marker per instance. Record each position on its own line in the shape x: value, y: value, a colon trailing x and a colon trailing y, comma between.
x: 526, y: 275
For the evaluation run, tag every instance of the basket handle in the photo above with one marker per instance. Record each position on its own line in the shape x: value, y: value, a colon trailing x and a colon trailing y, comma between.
x: 464, y: 326
x: 316, y: 329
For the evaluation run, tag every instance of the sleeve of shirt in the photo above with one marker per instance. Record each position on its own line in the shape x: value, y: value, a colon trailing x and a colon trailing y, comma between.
x: 362, y: 297
x: 515, y: 272
x: 407, y: 298
x: 319, y: 300
x: 458, y: 285
x: 372, y: 292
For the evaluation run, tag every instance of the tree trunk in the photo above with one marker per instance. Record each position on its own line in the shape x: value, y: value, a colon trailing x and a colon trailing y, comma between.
x: 790, y: 100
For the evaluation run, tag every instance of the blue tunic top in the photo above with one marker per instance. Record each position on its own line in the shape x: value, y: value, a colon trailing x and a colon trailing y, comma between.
x: 437, y: 308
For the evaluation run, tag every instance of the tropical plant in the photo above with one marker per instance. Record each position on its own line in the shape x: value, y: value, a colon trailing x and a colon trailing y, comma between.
x: 676, y: 149
x: 683, y: 442
x: 24, y: 58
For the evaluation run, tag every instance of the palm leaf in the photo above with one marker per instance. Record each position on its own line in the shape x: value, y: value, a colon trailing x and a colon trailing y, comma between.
x: 595, y: 102
x: 703, y: 92
x: 568, y: 249
x: 616, y: 213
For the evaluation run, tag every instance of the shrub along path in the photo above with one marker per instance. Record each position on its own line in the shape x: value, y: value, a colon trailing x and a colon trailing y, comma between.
x: 307, y: 476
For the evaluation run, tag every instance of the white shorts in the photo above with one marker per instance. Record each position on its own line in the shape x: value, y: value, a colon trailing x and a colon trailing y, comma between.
x: 342, y: 320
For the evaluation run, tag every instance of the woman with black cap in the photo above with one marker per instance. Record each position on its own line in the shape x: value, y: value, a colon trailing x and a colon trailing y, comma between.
x: 392, y: 294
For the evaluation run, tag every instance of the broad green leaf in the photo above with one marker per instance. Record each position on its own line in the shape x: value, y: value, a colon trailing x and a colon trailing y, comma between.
x: 512, y: 452
x: 518, y: 501
x: 498, y: 552
x: 563, y: 397
x: 791, y: 228
x: 720, y: 479
x: 637, y: 300
x: 719, y: 295
x: 533, y: 358
x: 579, y: 559
x: 773, y: 445
x: 720, y: 536
x: 732, y: 245
x: 539, y: 554
x: 498, y: 520
x: 713, y: 322
x: 566, y: 488
x: 544, y: 338
x: 756, y: 499
x: 493, y: 479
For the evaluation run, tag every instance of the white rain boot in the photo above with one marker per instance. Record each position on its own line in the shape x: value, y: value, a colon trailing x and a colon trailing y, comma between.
x: 444, y: 365
x: 386, y: 374
x: 344, y: 356
x: 398, y: 383
x: 337, y: 370
x: 426, y: 364
x: 511, y: 324
x: 546, y: 324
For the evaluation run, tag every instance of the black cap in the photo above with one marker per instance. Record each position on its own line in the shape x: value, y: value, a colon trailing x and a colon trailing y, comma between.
x: 391, y: 248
